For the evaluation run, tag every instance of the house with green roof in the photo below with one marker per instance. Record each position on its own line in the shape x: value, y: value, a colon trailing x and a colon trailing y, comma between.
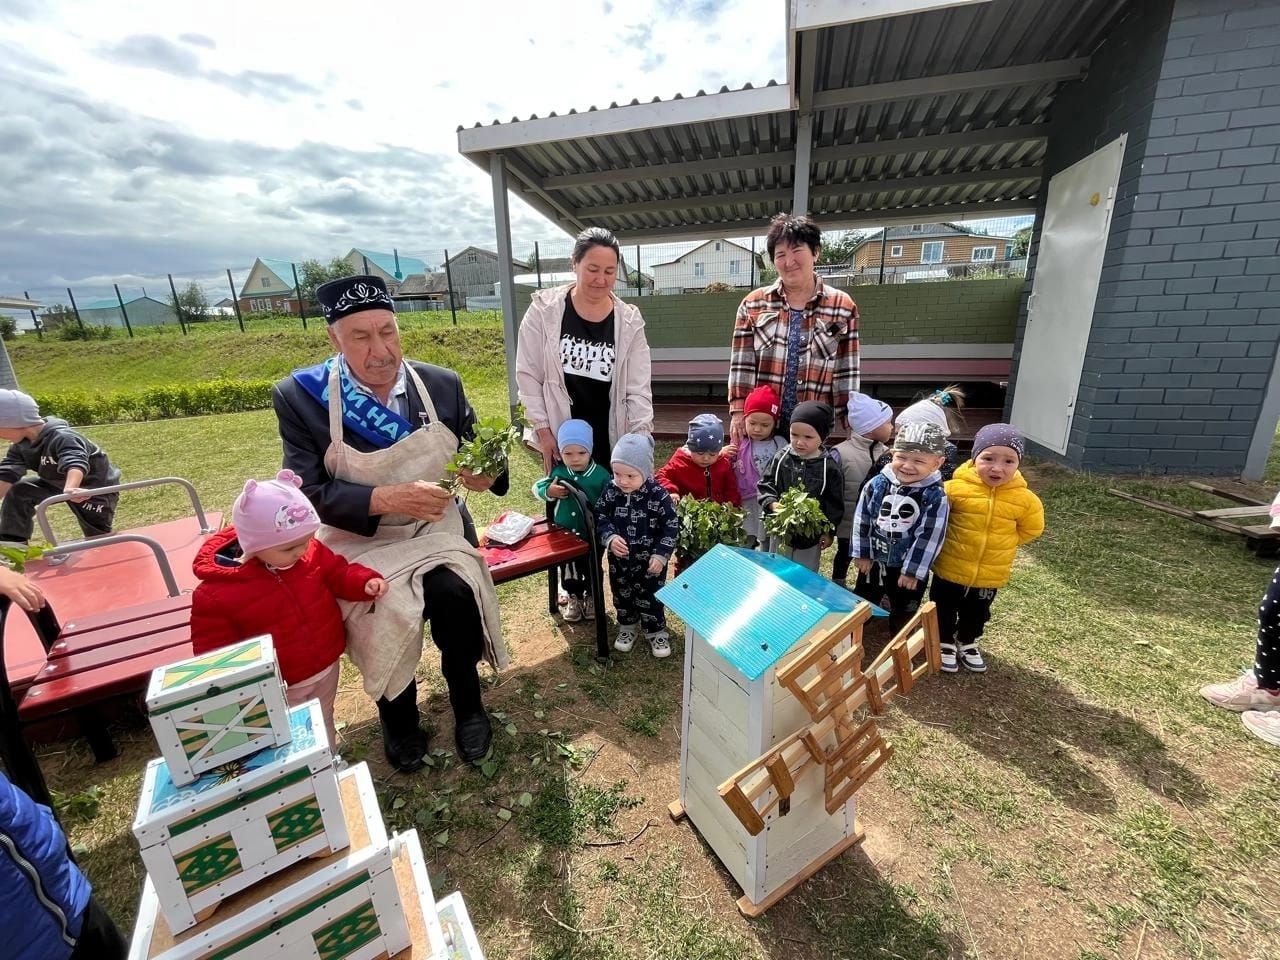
x: 269, y: 288
x: 392, y: 267
x: 143, y: 311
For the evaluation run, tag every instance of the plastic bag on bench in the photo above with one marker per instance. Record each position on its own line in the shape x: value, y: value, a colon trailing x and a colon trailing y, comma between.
x: 510, y: 527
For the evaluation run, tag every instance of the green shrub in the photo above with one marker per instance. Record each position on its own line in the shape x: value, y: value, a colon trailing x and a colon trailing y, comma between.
x: 157, y: 403
x: 8, y: 328
x: 90, y: 331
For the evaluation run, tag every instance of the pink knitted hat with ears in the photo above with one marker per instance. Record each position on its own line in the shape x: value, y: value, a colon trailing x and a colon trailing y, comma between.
x: 271, y: 513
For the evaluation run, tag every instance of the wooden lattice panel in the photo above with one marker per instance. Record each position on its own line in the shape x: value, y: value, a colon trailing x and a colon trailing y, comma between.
x: 755, y: 790
x: 914, y: 653
x: 833, y: 677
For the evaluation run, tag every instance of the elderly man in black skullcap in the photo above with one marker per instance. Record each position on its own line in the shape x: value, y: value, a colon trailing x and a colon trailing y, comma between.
x: 370, y: 434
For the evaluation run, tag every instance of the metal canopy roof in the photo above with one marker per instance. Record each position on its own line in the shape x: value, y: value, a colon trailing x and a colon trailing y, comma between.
x: 897, y: 110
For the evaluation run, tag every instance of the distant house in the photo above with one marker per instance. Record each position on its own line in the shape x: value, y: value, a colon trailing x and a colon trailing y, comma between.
x: 392, y: 267
x: 269, y: 288
x: 554, y: 271
x: 716, y: 261
x: 143, y: 312
x: 224, y: 307
x: 422, y: 291
x: 475, y: 271
x: 926, y: 251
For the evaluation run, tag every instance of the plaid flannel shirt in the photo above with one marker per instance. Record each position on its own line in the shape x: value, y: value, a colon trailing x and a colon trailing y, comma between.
x: 828, y: 364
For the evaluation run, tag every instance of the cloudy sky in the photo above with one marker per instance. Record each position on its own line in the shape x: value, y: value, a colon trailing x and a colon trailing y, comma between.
x: 152, y: 137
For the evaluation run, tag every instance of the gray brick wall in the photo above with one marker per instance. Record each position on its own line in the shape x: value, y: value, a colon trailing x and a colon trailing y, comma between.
x: 1187, y: 319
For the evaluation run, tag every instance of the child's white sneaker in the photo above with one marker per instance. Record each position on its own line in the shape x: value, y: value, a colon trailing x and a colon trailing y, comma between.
x: 588, y: 608
x: 971, y: 657
x: 626, y: 638
x: 1264, y: 724
x: 1241, y: 694
x: 949, y: 664
x: 659, y: 643
x: 572, y: 610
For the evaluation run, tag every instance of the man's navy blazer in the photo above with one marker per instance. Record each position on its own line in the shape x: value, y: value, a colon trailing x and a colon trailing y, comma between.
x: 304, y: 430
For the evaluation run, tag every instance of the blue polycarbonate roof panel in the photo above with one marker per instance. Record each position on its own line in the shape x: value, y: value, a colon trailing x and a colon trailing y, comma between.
x: 752, y: 607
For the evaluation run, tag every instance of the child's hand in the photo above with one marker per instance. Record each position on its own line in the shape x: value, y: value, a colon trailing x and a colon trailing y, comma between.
x: 775, y: 506
x: 908, y: 583
x: 730, y: 451
x: 78, y: 494
x: 557, y: 491
x: 377, y: 587
x: 656, y: 566
x: 824, y: 541
x: 863, y: 564
x: 618, y: 547
x: 675, y: 498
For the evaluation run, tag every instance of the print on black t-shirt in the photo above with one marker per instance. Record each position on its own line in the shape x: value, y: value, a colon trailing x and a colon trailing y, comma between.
x: 587, y: 356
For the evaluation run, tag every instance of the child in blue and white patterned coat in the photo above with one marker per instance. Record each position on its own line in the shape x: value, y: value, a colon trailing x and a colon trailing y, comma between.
x: 637, y: 525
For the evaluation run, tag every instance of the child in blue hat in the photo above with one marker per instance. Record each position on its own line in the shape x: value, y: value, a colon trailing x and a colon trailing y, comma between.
x: 574, y: 440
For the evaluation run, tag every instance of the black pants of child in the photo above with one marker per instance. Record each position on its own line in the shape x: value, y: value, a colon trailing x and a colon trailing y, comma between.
x: 18, y: 510
x: 963, y: 611
x: 1266, y: 662
x: 633, y: 592
x: 840, y: 562
x: 882, y: 581
x: 100, y: 939
x: 575, y: 577
x: 458, y: 633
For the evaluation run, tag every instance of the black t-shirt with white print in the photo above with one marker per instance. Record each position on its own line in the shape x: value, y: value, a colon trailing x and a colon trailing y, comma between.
x: 587, y: 357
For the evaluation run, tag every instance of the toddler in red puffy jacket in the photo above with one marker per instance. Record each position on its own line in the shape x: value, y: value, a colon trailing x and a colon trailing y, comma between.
x: 267, y: 573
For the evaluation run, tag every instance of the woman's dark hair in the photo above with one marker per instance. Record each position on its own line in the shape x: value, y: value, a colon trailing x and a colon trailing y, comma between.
x: 594, y: 237
x: 792, y: 230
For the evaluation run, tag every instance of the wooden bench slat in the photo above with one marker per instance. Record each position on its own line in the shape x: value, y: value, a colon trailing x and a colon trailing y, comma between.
x: 107, y: 634
x: 110, y: 618
x: 110, y: 653
x: 89, y: 686
x: 546, y: 546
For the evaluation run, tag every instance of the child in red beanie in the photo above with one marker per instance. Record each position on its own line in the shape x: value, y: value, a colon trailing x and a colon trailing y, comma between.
x: 269, y: 574
x: 753, y: 454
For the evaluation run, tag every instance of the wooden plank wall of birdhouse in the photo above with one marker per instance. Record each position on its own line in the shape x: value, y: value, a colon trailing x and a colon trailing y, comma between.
x: 799, y: 838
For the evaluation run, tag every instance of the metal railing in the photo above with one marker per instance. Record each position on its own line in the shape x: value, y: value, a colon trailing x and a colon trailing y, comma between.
x: 47, y: 529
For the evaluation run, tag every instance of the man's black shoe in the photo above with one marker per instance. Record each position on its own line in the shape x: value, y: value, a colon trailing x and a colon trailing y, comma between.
x: 473, y: 735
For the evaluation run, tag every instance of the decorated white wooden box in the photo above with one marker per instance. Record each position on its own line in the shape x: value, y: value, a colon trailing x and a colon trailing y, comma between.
x: 460, y: 941
x: 209, y: 710
x: 372, y: 900
x: 769, y: 769
x: 240, y: 823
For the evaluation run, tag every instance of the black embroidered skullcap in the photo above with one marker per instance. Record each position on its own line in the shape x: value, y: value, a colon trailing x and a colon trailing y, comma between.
x: 347, y: 295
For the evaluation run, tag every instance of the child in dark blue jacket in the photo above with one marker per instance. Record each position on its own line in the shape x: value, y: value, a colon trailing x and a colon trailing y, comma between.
x: 637, y: 525
x: 47, y: 909
x: 900, y: 521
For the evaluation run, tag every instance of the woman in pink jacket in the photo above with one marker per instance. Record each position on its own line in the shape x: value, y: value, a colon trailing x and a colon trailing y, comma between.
x: 582, y: 354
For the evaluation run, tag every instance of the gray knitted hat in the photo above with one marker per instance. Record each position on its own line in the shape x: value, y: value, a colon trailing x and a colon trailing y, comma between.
x: 635, y: 450
x: 18, y: 410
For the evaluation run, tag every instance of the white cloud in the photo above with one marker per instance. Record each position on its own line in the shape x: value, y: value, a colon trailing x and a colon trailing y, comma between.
x: 159, y: 137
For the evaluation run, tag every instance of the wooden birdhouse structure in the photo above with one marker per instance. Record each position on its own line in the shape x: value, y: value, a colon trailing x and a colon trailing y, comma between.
x: 779, y: 729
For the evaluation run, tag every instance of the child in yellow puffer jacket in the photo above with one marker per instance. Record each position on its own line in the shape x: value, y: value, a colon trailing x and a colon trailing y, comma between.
x: 993, y: 512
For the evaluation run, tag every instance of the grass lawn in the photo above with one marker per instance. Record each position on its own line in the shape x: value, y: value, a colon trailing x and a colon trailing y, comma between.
x: 1079, y: 801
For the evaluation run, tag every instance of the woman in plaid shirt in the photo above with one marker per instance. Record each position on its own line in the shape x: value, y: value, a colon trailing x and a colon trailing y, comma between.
x: 798, y: 335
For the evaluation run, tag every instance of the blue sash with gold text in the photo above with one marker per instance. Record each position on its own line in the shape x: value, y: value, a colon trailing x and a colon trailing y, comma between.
x: 360, y: 412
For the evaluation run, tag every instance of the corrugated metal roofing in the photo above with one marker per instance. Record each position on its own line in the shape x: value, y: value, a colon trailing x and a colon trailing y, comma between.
x: 931, y: 144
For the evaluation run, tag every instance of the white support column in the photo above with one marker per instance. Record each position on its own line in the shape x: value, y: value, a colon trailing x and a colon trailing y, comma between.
x: 506, y: 271
x: 804, y: 152
x: 1264, y: 431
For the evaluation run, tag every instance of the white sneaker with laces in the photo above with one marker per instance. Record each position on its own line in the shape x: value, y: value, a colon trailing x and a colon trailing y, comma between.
x: 1264, y: 724
x: 626, y: 638
x: 1241, y: 694
x: 572, y: 610
x: 971, y: 657
x: 949, y: 664
x: 588, y: 608
x: 659, y: 643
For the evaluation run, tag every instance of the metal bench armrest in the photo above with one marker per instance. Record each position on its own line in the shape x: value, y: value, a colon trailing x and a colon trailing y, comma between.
x: 196, y: 506
x: 162, y: 560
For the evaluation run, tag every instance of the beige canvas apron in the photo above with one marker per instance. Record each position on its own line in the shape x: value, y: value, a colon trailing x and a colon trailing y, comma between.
x: 384, y: 638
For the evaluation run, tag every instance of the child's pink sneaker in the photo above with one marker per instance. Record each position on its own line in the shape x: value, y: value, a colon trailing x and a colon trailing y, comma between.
x: 1241, y: 694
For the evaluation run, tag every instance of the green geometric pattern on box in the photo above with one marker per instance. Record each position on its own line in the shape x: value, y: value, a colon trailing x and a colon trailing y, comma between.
x: 348, y: 933
x: 208, y: 864
x: 291, y: 825
x: 215, y: 664
x: 248, y: 727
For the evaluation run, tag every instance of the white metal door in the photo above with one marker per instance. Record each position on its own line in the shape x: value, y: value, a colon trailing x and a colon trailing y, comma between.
x: 1073, y: 241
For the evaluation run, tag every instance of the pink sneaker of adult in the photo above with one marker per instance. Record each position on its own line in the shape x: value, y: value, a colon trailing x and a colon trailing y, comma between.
x: 1265, y: 725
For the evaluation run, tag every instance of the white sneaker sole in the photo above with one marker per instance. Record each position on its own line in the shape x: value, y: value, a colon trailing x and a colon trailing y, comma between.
x: 1237, y: 707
